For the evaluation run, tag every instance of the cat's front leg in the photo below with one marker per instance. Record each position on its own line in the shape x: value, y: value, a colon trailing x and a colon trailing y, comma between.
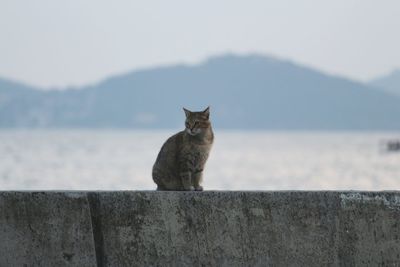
x: 186, y: 178
x: 185, y: 172
x: 196, y: 179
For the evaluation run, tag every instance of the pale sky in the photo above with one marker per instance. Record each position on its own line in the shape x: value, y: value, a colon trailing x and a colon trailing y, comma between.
x: 58, y: 43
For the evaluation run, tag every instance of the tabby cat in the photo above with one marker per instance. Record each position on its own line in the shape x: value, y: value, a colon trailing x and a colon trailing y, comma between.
x: 181, y: 160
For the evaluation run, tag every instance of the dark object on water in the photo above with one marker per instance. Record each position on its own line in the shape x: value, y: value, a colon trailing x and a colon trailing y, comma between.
x: 393, y: 145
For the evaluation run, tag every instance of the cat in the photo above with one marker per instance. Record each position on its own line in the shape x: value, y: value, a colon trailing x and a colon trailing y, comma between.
x: 180, y: 163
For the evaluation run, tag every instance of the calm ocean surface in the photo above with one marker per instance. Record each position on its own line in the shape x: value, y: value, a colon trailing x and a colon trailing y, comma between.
x: 113, y: 160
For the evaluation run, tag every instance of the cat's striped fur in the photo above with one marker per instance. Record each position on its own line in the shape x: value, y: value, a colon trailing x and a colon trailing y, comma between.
x: 181, y: 160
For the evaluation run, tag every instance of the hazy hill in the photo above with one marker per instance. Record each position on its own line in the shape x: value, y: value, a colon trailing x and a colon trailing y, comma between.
x: 390, y: 83
x: 245, y: 92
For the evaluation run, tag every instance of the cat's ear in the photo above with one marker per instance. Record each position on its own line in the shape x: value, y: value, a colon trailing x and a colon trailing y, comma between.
x: 206, y: 112
x: 187, y: 112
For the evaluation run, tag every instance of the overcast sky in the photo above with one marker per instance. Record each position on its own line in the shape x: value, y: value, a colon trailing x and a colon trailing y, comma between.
x: 74, y: 42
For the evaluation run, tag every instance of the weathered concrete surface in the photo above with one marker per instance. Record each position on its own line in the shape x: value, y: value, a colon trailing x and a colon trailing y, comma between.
x: 45, y: 229
x: 201, y: 228
x: 250, y: 229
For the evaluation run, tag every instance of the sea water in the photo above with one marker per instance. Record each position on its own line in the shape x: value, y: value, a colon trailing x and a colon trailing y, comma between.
x: 239, y: 160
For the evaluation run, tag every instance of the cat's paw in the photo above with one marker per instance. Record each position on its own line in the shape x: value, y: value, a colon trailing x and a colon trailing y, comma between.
x: 199, y: 188
x: 190, y: 188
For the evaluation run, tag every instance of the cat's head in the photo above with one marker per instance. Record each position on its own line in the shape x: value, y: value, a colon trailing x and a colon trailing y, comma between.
x: 197, y: 122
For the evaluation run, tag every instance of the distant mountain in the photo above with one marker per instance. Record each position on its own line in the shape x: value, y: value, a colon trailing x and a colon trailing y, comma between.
x: 390, y: 83
x: 245, y: 92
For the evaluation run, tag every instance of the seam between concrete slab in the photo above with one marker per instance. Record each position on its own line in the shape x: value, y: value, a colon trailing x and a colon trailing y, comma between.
x: 95, y: 219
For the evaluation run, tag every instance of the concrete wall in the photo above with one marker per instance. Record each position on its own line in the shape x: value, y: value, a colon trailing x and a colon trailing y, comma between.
x: 199, y: 228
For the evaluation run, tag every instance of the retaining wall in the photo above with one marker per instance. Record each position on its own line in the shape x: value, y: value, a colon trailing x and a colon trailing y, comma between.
x: 211, y: 228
